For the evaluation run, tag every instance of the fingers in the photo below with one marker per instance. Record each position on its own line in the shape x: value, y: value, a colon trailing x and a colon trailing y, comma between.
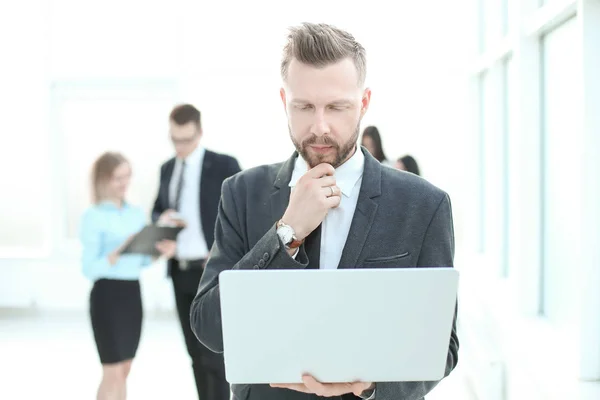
x: 329, y: 191
x: 307, y: 183
x: 326, y: 185
x: 321, y: 170
x: 359, y: 387
x: 166, y: 213
x: 165, y: 246
x: 327, y: 180
x: 311, y: 385
x: 298, y: 387
x: 326, y: 389
x: 321, y: 176
x: 333, y: 201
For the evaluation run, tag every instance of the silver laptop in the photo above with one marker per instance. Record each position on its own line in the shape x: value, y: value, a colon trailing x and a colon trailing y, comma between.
x: 370, y: 325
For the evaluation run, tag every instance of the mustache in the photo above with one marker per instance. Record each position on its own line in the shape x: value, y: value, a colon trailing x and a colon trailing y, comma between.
x: 323, y: 140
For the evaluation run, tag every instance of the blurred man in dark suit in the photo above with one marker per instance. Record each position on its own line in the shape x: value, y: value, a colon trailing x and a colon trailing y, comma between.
x: 190, y: 189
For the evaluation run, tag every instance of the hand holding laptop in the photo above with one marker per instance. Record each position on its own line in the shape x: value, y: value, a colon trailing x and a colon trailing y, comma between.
x: 312, y: 386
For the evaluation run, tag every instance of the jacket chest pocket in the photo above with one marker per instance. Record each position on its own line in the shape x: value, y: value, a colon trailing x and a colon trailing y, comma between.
x: 400, y: 260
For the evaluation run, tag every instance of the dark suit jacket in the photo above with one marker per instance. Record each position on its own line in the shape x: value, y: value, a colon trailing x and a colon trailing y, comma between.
x: 215, y: 169
x: 401, y: 220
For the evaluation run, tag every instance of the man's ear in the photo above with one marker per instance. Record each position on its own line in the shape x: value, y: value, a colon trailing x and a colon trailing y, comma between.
x: 283, y: 98
x: 366, y: 100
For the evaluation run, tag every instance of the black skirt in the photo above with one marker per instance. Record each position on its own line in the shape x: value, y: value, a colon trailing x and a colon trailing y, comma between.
x: 116, y: 314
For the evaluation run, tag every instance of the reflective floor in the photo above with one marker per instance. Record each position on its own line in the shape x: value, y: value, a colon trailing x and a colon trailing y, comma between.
x: 52, y: 356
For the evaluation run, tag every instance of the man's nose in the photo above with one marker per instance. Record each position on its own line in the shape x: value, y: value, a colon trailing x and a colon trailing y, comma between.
x: 320, y: 125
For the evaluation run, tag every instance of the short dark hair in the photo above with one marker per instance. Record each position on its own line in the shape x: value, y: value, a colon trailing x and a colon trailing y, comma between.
x: 185, y: 113
x: 320, y: 45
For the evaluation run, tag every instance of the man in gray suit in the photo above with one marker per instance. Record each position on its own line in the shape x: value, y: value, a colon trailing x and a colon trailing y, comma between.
x: 331, y: 205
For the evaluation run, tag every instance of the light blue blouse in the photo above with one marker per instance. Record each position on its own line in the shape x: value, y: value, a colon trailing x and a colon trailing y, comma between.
x: 104, y: 227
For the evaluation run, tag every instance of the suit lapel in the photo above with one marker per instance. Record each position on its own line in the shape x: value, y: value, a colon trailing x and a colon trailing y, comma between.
x: 168, y: 176
x: 205, y: 176
x: 362, y: 220
x: 364, y: 215
x: 281, y: 190
x: 207, y: 164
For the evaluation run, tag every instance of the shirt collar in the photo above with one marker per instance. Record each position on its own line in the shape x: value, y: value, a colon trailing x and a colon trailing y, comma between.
x: 346, y: 175
x: 195, y: 157
x: 109, y: 205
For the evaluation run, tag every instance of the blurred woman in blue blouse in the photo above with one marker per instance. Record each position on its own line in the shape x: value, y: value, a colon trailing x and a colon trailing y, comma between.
x: 115, y: 299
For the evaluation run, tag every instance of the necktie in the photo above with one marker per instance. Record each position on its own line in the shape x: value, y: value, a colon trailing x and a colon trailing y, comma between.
x: 312, y: 244
x: 177, y: 204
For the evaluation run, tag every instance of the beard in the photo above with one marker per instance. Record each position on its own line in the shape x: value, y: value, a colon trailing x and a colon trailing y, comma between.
x: 342, y: 151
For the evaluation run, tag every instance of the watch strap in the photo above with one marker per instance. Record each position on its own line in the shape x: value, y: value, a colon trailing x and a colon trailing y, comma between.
x: 295, y: 243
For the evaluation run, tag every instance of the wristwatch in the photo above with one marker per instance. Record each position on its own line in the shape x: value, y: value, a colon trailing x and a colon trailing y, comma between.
x: 288, y: 236
x: 368, y: 394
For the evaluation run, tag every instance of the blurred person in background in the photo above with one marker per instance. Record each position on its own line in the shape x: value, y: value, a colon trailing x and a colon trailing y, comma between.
x: 190, y: 190
x: 115, y: 299
x: 409, y: 164
x: 371, y: 140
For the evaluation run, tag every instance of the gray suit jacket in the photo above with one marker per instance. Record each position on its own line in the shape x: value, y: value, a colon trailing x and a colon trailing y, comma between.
x: 401, y: 220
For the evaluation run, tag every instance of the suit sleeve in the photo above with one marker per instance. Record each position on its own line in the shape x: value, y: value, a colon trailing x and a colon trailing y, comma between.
x: 234, y: 167
x: 437, y: 251
x: 229, y: 251
x: 157, y: 210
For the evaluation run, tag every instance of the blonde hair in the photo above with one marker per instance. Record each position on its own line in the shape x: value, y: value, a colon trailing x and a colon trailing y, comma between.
x: 102, y: 172
x: 321, y: 45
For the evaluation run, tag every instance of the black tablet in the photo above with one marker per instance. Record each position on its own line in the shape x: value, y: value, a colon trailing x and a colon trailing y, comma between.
x: 144, y: 242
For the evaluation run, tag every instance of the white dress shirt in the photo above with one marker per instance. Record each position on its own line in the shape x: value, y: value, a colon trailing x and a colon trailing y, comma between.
x: 336, y: 225
x: 191, y: 244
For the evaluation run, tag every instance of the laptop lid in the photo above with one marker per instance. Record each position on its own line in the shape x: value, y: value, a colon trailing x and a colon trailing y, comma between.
x: 375, y: 325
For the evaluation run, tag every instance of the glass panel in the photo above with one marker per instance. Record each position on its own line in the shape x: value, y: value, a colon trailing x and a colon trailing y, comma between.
x: 494, y: 168
x: 481, y: 161
x: 508, y: 81
x: 561, y: 165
